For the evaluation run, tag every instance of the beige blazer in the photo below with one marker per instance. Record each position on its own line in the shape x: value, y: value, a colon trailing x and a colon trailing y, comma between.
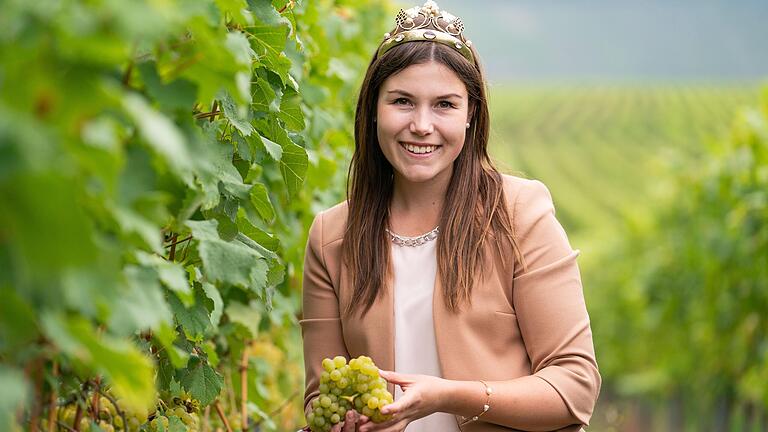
x: 519, y: 323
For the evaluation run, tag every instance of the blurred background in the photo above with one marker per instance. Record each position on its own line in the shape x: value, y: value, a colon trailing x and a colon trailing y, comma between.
x: 644, y: 120
x: 162, y: 160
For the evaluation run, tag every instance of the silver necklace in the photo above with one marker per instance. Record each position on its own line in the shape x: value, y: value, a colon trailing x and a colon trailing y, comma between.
x: 412, y: 241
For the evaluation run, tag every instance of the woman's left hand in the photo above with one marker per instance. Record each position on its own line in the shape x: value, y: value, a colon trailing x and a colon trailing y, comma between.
x: 421, y: 397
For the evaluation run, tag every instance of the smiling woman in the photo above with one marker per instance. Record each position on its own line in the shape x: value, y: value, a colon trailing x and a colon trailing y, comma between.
x: 421, y: 116
x: 456, y: 280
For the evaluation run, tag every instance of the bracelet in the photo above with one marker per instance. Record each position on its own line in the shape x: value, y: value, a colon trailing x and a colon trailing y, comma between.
x: 486, y: 406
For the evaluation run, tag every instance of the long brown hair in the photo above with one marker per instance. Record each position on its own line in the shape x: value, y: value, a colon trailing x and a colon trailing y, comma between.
x: 474, y: 211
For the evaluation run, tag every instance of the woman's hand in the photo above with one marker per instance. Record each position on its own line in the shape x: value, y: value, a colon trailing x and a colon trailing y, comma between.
x: 351, y: 422
x: 421, y: 397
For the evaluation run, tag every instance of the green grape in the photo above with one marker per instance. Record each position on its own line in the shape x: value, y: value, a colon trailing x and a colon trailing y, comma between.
x: 348, y: 385
x: 373, y: 402
x: 325, y: 401
x: 339, y: 362
x: 328, y: 364
x: 336, y: 375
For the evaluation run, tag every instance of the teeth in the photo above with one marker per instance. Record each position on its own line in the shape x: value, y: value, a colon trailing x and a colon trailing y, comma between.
x: 420, y: 149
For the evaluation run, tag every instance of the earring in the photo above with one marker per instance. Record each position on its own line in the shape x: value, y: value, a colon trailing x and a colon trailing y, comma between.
x: 467, y: 125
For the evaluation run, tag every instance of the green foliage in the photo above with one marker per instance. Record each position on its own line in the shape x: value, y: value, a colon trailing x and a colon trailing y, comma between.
x: 153, y: 163
x: 671, y: 214
x: 685, y: 311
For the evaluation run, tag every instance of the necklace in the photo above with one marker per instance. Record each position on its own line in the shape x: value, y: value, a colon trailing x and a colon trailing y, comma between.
x: 412, y: 241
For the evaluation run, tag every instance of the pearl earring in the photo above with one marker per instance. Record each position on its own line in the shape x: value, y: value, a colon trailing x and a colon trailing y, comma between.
x: 467, y: 125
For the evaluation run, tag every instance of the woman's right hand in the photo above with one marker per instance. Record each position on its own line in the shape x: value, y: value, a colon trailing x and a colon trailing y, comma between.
x: 351, y: 421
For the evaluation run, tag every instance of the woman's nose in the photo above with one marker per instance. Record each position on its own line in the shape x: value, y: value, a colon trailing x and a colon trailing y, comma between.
x: 421, y: 122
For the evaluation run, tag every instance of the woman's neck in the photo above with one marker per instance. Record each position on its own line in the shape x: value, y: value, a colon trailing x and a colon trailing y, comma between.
x: 416, y: 207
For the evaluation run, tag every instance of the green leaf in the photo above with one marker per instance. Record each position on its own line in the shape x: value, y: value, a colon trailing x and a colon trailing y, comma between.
x: 260, y: 201
x: 247, y: 316
x: 290, y: 110
x: 229, y: 262
x: 193, y: 320
x: 179, y: 94
x: 176, y: 425
x: 171, y: 274
x: 133, y: 223
x: 263, y: 95
x: 162, y: 135
x: 258, y: 276
x: 237, y: 115
x: 201, y: 381
x: 238, y: 45
x: 274, y: 149
x: 269, y: 42
x: 167, y: 336
x: 18, y: 326
x: 44, y: 241
x: 139, y: 305
x: 294, y: 160
x: 261, y: 237
x: 218, y: 303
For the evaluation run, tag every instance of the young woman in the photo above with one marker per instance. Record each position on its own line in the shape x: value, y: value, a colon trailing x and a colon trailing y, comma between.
x: 456, y: 280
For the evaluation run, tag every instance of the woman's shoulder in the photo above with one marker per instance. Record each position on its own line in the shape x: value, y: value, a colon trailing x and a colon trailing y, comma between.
x: 520, y: 189
x: 329, y: 225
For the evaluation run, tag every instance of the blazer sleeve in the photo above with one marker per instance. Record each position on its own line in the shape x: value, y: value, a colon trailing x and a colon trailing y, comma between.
x: 549, y: 303
x: 321, y: 322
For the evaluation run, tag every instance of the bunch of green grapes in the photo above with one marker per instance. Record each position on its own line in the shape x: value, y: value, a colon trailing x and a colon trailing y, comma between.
x: 108, y: 419
x: 343, y: 386
x: 184, y: 409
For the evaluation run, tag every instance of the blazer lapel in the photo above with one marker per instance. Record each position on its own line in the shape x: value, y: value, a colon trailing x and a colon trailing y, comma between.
x: 374, y: 334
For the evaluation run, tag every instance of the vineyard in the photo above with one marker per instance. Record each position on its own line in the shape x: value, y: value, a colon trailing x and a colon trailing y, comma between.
x: 160, y: 163
x: 665, y: 191
x: 573, y: 138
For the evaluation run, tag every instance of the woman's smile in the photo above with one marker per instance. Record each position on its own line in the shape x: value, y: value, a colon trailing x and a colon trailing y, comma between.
x: 419, y: 150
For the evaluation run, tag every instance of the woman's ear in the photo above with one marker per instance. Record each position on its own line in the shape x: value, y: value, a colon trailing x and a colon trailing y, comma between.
x: 471, y: 111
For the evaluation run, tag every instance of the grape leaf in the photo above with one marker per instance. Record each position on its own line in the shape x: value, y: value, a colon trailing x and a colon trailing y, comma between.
x: 201, y: 381
x: 260, y: 200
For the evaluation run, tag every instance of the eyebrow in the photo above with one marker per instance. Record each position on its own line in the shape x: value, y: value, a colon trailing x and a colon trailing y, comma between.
x: 445, y: 96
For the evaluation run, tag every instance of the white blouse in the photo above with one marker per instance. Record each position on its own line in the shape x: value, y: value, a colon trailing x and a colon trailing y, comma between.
x: 415, y: 269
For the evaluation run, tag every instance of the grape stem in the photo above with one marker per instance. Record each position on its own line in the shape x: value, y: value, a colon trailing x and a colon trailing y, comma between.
x: 65, y: 426
x: 78, y: 416
x: 36, y: 371
x: 223, y: 417
x: 112, y: 400
x: 95, y: 399
x: 282, y: 406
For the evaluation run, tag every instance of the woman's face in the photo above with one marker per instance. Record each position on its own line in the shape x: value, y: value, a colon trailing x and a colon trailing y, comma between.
x: 421, y: 119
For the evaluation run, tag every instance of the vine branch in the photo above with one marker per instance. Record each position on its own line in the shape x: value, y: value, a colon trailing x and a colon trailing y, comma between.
x: 223, y: 417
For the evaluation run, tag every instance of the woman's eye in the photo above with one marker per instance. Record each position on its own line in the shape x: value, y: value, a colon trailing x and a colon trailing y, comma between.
x: 401, y: 101
x: 445, y: 104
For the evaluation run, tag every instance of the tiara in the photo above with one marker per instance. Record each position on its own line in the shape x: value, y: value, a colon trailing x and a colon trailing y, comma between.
x: 428, y: 23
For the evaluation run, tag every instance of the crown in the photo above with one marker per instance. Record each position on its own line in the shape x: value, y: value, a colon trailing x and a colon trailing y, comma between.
x: 428, y: 23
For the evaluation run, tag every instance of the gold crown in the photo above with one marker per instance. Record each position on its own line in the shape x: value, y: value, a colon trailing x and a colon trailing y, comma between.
x: 428, y: 23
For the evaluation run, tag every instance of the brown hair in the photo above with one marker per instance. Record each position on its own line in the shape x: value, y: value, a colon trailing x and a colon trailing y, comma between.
x: 474, y: 211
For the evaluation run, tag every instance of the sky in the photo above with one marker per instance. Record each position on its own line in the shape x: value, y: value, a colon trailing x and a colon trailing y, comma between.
x: 618, y: 40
